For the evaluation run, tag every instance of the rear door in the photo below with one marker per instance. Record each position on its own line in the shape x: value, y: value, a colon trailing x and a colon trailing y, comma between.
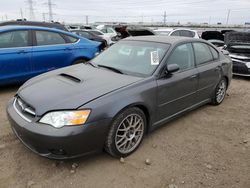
x: 51, y: 51
x: 209, y: 68
x: 177, y: 92
x: 15, y: 56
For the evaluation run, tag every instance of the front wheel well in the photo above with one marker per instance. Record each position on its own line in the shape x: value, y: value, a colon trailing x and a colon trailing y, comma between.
x: 80, y: 58
x: 144, y: 110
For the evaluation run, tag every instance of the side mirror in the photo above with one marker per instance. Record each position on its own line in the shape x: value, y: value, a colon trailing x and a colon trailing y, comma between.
x: 172, y: 68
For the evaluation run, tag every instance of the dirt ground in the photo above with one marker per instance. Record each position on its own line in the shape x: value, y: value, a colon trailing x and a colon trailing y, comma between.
x: 209, y: 147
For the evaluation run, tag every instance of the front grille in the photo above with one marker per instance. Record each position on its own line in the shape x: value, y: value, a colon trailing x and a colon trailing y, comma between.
x: 24, y: 110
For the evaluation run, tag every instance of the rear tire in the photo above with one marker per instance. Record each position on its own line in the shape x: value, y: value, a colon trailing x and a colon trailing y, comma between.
x: 126, y: 132
x: 220, y: 92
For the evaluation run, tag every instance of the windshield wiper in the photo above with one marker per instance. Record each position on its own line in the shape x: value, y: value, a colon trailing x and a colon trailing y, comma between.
x: 111, y: 68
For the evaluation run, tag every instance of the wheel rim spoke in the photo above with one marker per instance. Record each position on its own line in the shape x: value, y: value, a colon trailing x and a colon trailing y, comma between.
x: 129, y: 133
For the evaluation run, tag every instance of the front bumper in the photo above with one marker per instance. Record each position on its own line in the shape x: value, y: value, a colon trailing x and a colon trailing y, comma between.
x: 240, y: 69
x: 63, y: 143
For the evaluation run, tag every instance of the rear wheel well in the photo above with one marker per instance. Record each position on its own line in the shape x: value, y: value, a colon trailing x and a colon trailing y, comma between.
x: 227, y: 80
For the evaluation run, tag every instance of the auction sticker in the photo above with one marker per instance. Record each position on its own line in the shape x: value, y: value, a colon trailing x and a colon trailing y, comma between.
x: 154, y: 58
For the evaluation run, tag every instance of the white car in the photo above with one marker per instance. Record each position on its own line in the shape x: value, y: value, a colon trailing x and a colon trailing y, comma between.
x: 109, y: 31
x: 177, y: 32
x: 103, y: 35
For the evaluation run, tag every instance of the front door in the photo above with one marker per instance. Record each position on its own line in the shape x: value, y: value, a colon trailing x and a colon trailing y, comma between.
x: 50, y: 51
x: 177, y: 91
x: 15, y: 56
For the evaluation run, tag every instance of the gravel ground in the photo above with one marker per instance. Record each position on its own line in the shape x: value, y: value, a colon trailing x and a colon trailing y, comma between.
x: 209, y: 147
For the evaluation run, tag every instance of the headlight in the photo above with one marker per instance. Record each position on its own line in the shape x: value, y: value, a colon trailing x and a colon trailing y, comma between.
x: 59, y: 119
x: 248, y: 65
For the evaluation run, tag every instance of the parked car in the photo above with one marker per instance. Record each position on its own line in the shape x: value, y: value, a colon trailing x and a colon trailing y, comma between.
x: 177, y: 32
x: 133, y: 87
x: 215, y: 37
x: 79, y: 27
x: 238, y: 46
x: 55, y: 25
x: 26, y: 51
x: 91, y: 36
x: 130, y: 31
x: 108, y: 31
x: 102, y: 35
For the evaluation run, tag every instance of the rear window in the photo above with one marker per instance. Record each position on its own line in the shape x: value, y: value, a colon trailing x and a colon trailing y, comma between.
x: 72, y: 39
x: 49, y: 38
x: 202, y: 53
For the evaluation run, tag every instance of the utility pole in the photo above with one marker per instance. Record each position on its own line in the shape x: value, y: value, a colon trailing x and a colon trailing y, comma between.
x: 165, y: 18
x: 50, y: 10
x: 44, y: 18
x: 21, y: 13
x: 87, y: 20
x: 228, y: 15
x: 31, y: 9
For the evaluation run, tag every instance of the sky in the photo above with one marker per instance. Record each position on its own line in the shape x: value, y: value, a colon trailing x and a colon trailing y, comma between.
x: 183, y: 11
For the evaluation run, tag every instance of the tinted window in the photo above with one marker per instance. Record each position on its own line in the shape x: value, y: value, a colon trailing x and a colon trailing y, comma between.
x: 14, y: 39
x: 175, y: 33
x: 109, y: 30
x: 84, y: 34
x: 202, y: 53
x: 48, y: 38
x: 185, y: 33
x: 183, y: 56
x: 214, y: 52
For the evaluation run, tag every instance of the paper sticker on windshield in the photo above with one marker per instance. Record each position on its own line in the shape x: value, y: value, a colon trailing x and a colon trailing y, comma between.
x: 154, y: 58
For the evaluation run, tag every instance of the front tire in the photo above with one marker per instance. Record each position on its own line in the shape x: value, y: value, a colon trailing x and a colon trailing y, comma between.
x: 126, y: 132
x: 220, y: 92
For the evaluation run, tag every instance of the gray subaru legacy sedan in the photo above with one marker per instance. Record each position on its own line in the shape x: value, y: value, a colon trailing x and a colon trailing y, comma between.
x: 112, y: 101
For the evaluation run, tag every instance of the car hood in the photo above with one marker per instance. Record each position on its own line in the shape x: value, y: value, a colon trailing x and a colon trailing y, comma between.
x: 212, y: 35
x: 71, y: 87
x: 232, y: 38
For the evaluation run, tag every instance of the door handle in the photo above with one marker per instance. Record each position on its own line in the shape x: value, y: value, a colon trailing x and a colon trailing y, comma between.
x: 22, y: 52
x: 217, y: 68
x: 194, y: 76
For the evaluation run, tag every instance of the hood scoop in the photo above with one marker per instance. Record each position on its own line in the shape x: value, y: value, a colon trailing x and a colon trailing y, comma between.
x: 70, y: 77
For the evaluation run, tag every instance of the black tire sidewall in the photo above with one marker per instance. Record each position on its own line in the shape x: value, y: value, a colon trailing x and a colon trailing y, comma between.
x: 110, y: 146
x: 215, y: 102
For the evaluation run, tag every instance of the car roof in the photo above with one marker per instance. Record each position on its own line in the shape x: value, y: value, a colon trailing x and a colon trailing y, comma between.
x: 164, y: 39
x: 35, y: 23
x: 29, y: 27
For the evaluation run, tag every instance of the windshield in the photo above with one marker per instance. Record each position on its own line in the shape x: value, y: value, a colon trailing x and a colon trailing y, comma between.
x: 133, y: 57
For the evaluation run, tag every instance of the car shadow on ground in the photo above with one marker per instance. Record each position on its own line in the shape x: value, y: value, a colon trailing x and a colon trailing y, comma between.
x: 9, y: 88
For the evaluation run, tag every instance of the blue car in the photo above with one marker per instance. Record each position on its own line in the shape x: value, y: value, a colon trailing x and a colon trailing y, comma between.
x: 27, y: 51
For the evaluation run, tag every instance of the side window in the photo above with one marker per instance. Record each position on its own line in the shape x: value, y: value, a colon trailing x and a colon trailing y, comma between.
x: 183, y: 56
x: 14, y: 39
x: 48, y: 38
x: 175, y: 33
x: 104, y: 30
x: 85, y: 34
x: 214, y: 52
x: 70, y: 38
x: 187, y: 33
x: 109, y: 30
x: 202, y: 53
